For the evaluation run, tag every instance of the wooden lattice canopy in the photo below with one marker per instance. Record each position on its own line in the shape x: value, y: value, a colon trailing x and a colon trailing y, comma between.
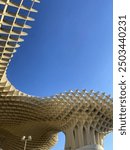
x: 43, y: 118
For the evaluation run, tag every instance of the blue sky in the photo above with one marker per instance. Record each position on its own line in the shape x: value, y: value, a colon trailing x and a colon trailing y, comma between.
x: 69, y: 47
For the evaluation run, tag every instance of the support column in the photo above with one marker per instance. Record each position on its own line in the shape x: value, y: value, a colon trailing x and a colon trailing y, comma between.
x: 88, y: 135
x: 83, y: 137
x: 80, y: 135
x: 70, y: 141
x: 101, y: 139
x: 93, y: 141
x: 76, y: 137
x: 93, y: 136
x: 91, y: 147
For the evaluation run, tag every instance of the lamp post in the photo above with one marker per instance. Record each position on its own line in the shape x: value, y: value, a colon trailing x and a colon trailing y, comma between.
x: 26, y: 139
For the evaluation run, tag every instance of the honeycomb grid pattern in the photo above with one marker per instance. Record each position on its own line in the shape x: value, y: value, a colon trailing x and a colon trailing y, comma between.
x: 14, y: 16
x: 84, y: 116
x: 43, y: 118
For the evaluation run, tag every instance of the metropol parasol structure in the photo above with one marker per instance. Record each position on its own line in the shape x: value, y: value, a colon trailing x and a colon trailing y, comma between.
x: 84, y: 117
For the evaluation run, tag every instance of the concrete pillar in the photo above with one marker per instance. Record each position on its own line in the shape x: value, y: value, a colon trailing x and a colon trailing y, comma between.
x: 101, y: 139
x: 83, y: 137
x: 88, y: 135
x: 97, y: 138
x: 76, y: 137
x: 91, y: 147
x: 93, y: 136
x: 80, y: 135
x: 70, y: 141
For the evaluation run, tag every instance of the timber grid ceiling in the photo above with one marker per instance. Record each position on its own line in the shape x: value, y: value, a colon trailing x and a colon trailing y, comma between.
x: 43, y: 118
